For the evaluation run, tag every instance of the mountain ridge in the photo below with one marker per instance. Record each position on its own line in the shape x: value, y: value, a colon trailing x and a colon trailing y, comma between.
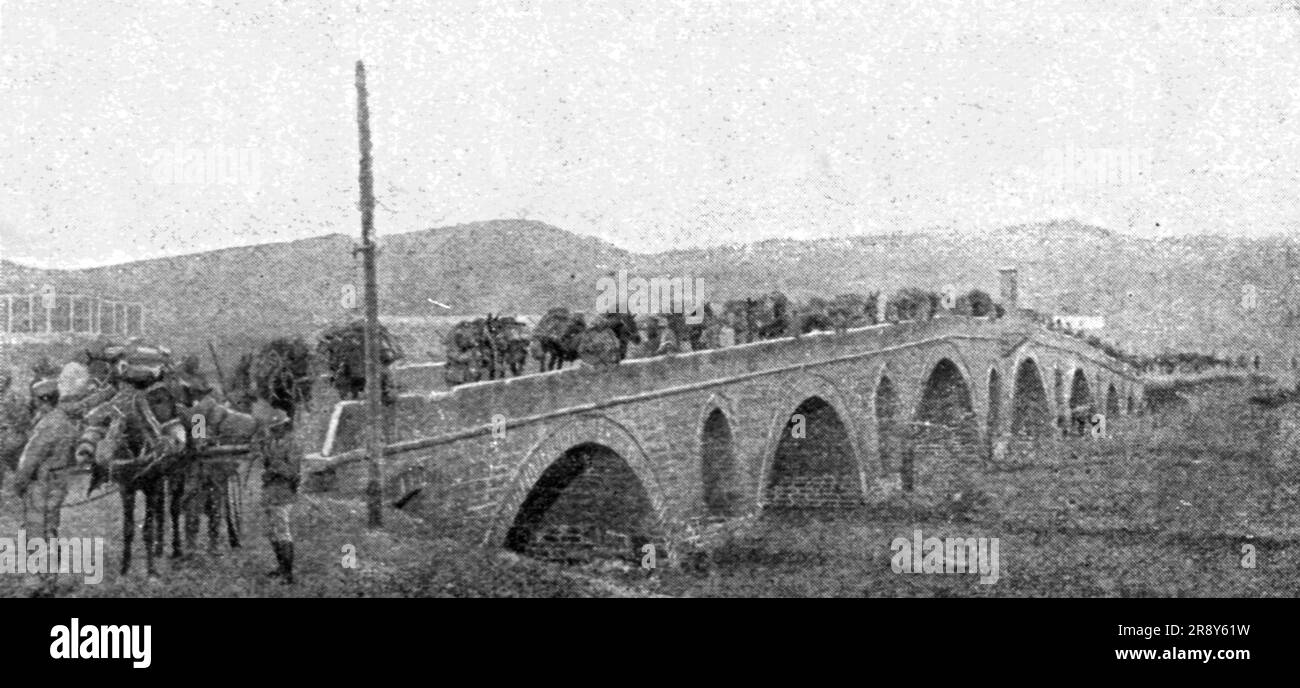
x: 1156, y: 293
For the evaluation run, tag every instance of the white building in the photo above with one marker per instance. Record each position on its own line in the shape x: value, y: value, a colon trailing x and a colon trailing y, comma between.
x: 1080, y: 323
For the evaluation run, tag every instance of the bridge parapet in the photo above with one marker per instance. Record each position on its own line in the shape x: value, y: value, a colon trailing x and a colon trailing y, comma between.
x: 471, y: 408
x: 1074, y: 345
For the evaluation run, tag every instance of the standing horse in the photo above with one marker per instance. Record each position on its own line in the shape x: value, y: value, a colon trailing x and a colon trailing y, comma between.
x: 212, y: 485
x: 775, y: 314
x: 137, y: 439
x: 468, y: 352
x: 342, y: 349
x: 557, y: 336
x: 465, y: 365
x: 507, y: 341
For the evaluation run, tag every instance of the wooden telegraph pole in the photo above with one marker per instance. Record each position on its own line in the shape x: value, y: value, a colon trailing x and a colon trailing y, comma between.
x: 374, y: 403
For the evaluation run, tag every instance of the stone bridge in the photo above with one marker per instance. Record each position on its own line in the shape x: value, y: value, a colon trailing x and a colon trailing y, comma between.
x: 657, y: 446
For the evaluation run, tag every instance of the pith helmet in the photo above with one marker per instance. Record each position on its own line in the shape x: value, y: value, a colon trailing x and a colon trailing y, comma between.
x: 74, y: 381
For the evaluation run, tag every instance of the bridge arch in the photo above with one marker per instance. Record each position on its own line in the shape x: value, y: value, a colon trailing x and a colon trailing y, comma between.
x: 946, y: 377
x: 813, y: 456
x: 1081, y: 405
x: 950, y: 352
x: 561, y: 457
x: 720, y: 476
x: 946, y: 436
x: 1112, y: 403
x: 1031, y: 412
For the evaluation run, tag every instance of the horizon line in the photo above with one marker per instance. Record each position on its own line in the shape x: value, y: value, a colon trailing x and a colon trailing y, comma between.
x: 25, y: 262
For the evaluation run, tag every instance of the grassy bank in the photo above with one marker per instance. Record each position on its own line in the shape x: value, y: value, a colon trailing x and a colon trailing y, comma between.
x: 403, y: 560
x: 1164, y: 506
x: 1169, y: 505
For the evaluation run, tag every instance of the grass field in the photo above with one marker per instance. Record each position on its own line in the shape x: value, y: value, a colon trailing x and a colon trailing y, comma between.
x: 1163, y: 507
x: 403, y: 560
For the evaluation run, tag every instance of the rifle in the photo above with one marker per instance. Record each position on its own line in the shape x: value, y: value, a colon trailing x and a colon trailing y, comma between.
x: 216, y: 362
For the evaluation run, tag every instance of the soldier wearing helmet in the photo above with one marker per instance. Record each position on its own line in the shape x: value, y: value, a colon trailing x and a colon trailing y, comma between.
x: 42, y: 476
x: 274, y: 448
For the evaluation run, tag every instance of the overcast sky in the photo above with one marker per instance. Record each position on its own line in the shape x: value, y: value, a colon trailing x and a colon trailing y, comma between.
x: 649, y: 124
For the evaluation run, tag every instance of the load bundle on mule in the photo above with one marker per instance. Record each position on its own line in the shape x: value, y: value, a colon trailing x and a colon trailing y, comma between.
x: 140, y: 386
x: 620, y: 328
x: 606, y: 340
x: 474, y: 349
x: 853, y: 310
x: 562, y: 337
x: 659, y: 335
x: 139, y: 363
x: 755, y: 319
x: 485, y: 349
x: 508, y: 340
x: 556, y: 338
x: 912, y: 303
x: 156, y: 422
x: 281, y: 373
x: 466, y: 351
x: 977, y: 303
x: 137, y: 439
x: 343, y: 350
x: 843, y: 312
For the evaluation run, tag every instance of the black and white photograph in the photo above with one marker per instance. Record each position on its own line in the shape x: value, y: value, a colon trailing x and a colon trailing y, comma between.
x: 651, y: 298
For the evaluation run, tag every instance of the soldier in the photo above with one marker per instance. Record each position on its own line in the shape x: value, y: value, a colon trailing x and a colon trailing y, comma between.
x: 641, y: 346
x: 668, y: 341
x: 203, y: 495
x: 208, y: 482
x: 42, y: 476
x: 79, y: 392
x: 14, y: 424
x: 726, y: 336
x: 274, y: 447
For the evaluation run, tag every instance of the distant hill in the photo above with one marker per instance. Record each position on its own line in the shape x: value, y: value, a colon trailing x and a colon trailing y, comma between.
x: 1180, y: 293
x: 238, y: 297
